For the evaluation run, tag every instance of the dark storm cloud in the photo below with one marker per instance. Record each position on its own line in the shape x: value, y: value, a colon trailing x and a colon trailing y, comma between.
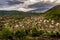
x: 9, y: 2
x: 27, y: 5
x: 14, y: 2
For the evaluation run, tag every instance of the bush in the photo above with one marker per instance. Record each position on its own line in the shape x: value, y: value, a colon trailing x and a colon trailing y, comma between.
x: 7, y: 33
x: 57, y: 34
x: 34, y: 32
x: 54, y: 34
x: 20, y: 33
x: 46, y: 33
x: 41, y: 32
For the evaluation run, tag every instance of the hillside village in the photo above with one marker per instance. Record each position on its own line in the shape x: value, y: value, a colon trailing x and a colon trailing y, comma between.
x: 15, y: 25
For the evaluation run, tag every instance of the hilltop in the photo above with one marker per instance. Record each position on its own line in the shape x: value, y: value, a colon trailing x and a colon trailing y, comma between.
x: 56, y: 8
x: 53, y: 13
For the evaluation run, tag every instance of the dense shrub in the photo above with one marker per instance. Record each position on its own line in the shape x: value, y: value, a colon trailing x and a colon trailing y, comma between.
x: 46, y: 33
x: 35, y: 32
x: 7, y: 33
x: 52, y: 34
x: 57, y: 34
x: 41, y: 32
x: 20, y: 33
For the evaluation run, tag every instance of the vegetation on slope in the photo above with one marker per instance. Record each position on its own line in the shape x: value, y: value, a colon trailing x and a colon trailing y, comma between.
x: 53, y: 13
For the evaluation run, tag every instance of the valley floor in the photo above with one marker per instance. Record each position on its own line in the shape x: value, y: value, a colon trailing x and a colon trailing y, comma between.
x: 28, y: 21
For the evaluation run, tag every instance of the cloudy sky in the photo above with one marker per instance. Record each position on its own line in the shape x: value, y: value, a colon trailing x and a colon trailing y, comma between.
x: 22, y: 5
